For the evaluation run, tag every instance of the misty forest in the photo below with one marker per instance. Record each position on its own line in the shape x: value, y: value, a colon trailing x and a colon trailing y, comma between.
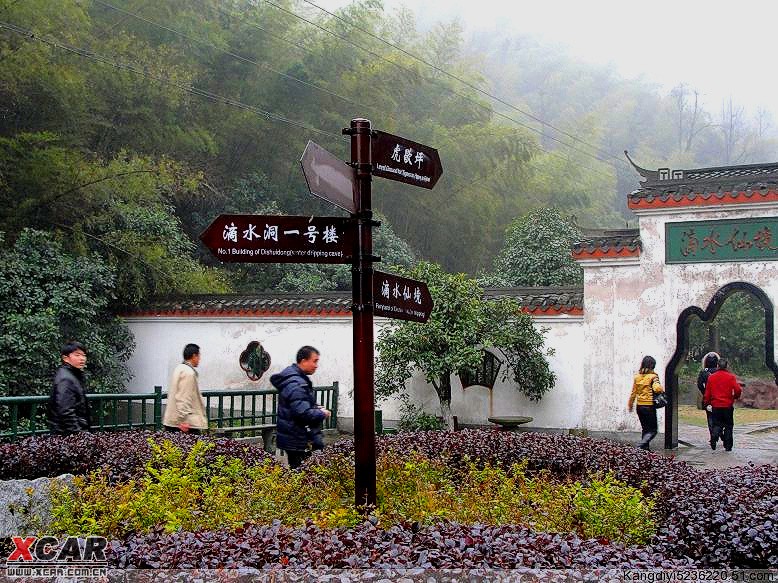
x: 127, y: 126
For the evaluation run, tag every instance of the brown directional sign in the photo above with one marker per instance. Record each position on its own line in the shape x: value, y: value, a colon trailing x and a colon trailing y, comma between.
x: 280, y: 239
x: 399, y: 159
x: 400, y: 298
x: 328, y: 177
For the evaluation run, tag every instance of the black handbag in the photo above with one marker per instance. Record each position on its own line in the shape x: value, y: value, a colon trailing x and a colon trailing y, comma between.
x: 660, y: 399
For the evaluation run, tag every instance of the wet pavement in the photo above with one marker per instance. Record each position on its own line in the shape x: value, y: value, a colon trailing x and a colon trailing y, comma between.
x: 755, y: 443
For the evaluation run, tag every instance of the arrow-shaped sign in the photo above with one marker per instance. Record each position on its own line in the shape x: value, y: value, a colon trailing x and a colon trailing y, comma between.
x: 280, y: 239
x: 401, y: 298
x: 399, y: 159
x: 328, y: 177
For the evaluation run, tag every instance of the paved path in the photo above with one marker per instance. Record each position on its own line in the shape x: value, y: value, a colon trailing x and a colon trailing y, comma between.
x: 754, y: 443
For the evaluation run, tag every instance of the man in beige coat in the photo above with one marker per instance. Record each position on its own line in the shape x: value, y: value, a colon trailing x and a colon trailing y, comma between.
x: 184, y: 410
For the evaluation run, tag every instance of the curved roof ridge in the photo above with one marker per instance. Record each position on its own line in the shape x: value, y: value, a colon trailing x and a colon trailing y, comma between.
x: 715, y: 185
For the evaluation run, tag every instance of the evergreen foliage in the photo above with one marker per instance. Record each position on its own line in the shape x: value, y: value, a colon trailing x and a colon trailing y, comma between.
x: 48, y: 297
x: 156, y: 82
x: 537, y: 251
x: 160, y: 116
x: 462, y: 323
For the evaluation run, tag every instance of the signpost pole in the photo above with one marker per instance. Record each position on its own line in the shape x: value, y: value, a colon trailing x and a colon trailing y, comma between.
x: 362, y: 285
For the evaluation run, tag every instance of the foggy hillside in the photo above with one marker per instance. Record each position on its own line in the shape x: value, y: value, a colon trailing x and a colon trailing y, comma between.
x: 128, y: 126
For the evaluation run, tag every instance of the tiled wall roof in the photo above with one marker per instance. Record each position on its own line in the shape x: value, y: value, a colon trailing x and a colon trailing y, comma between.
x: 538, y: 300
x: 597, y: 244
x: 543, y: 300
x: 705, y: 186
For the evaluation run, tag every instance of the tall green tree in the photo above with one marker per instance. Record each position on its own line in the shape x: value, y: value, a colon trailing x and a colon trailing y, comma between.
x: 537, y: 251
x: 462, y: 324
x: 123, y: 209
x: 737, y: 333
x: 48, y: 297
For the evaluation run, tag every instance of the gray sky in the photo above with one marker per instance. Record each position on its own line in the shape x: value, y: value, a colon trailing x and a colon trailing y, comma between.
x: 720, y: 48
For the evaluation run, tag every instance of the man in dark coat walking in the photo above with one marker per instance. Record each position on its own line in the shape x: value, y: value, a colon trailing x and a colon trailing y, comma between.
x: 710, y: 364
x: 68, y: 409
x: 299, y: 418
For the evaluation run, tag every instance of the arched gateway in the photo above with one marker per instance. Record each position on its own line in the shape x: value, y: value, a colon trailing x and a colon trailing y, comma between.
x: 703, y: 234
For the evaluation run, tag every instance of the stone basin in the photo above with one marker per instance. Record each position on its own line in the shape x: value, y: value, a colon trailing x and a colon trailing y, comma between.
x: 510, y: 422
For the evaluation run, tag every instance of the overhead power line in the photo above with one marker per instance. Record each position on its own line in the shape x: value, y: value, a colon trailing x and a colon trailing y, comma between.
x: 466, y: 83
x: 138, y: 9
x: 279, y: 37
x: 446, y: 88
x: 269, y: 116
x: 227, y: 52
x: 248, y: 60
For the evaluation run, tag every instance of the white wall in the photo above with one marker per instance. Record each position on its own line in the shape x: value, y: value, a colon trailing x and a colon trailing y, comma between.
x: 160, y: 341
x: 562, y: 407
x: 632, y: 308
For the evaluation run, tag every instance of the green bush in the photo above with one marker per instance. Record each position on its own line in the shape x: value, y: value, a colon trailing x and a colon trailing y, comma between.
x: 181, y: 492
x: 413, y: 418
x: 48, y: 297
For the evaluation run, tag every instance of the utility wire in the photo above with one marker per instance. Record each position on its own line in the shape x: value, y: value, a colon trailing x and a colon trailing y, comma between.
x: 248, y: 60
x: 465, y: 82
x: 452, y: 91
x: 269, y: 116
x: 229, y: 53
x: 352, y: 70
x: 281, y: 38
x: 190, y: 89
x: 120, y: 20
x: 197, y: 91
x: 430, y: 80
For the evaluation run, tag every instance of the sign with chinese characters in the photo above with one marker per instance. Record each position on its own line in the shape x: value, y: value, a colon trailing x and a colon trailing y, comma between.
x: 399, y: 159
x: 400, y: 298
x: 280, y: 239
x: 719, y: 241
x: 328, y: 177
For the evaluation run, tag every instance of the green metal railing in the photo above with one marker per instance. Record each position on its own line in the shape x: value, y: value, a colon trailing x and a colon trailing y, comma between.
x: 25, y: 416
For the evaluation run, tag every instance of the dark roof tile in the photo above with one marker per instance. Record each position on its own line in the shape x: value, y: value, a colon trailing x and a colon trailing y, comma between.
x: 597, y: 240
x: 709, y: 184
x: 560, y: 299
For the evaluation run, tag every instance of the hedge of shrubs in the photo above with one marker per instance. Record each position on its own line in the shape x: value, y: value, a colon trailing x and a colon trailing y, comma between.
x: 181, y: 492
x: 705, y: 518
x: 441, y: 546
x: 717, y: 518
x: 122, y: 455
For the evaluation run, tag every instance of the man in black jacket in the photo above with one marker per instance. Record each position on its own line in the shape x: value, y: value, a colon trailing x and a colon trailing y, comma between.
x: 68, y: 410
x: 710, y: 364
x: 299, y: 418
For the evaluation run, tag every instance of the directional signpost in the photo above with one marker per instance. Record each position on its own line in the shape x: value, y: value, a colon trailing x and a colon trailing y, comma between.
x: 375, y: 153
x: 280, y: 239
x: 328, y: 177
x: 400, y: 297
x: 399, y: 159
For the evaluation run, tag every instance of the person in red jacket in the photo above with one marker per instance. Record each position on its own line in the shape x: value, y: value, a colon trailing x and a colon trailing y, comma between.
x: 721, y: 392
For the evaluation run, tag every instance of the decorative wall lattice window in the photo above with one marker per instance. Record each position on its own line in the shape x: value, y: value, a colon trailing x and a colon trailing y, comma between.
x: 485, y: 375
x: 255, y: 360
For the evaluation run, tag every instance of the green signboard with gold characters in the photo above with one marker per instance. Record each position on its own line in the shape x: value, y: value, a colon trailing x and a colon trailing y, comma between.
x: 725, y: 240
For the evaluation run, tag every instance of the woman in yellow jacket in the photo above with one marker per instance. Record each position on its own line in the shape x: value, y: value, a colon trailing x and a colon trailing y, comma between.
x: 646, y: 383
